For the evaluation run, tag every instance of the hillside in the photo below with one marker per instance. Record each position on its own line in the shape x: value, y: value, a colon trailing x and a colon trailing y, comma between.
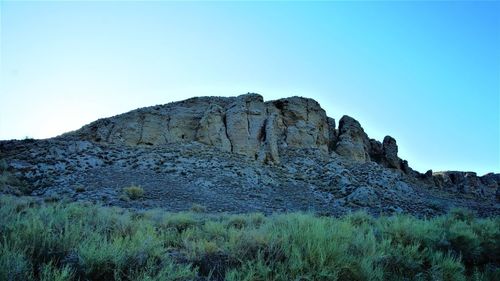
x: 238, y: 154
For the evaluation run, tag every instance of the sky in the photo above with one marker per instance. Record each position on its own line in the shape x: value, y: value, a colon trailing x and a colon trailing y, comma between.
x: 426, y: 73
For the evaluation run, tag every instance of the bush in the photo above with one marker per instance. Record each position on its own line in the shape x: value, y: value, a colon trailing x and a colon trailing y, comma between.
x: 75, y: 241
x: 49, y: 272
x: 14, y: 264
x: 134, y: 192
x: 79, y: 188
x: 198, y: 208
x: 180, y: 221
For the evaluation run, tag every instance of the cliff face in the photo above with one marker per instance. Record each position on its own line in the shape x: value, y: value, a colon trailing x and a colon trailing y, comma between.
x: 240, y: 154
x: 245, y: 125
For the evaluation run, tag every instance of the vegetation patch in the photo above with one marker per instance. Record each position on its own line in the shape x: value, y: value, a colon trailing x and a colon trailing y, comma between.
x: 77, y: 241
x: 11, y: 184
x: 133, y: 192
x: 198, y: 208
x: 79, y: 189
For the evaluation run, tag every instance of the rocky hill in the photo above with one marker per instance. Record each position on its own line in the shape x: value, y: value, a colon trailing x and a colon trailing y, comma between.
x: 238, y: 154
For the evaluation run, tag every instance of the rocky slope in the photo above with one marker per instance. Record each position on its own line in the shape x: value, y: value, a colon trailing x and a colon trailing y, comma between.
x: 239, y: 154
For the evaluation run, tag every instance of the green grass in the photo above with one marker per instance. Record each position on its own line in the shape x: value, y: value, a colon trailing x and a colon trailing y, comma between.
x: 75, y: 241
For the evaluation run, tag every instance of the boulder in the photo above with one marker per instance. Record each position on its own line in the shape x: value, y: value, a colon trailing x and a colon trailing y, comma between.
x: 363, y: 196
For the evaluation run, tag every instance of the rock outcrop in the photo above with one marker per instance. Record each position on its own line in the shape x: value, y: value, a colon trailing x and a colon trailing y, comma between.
x: 239, y: 154
x: 245, y: 125
x: 352, y: 141
x: 468, y: 183
x: 250, y: 126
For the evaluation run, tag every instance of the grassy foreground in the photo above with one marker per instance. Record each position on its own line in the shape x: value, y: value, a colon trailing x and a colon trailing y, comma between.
x: 59, y: 241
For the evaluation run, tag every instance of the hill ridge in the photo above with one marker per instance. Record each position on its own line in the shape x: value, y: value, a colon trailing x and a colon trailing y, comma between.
x: 231, y: 148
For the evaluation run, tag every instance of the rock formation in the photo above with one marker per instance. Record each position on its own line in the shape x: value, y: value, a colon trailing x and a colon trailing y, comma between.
x: 352, y: 141
x: 244, y: 154
x: 245, y: 125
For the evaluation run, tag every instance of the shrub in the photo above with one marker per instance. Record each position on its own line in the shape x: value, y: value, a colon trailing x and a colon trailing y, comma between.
x: 198, y: 208
x: 461, y: 215
x: 49, y: 272
x: 464, y: 242
x: 14, y: 264
x: 237, y: 221
x: 75, y: 241
x: 446, y: 267
x: 79, y: 188
x: 360, y: 218
x: 180, y: 221
x: 134, y: 192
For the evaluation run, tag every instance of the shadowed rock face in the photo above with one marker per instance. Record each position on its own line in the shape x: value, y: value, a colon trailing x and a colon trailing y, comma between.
x: 241, y: 154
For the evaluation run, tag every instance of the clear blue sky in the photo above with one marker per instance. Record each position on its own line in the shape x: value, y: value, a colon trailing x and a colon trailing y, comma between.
x: 426, y: 73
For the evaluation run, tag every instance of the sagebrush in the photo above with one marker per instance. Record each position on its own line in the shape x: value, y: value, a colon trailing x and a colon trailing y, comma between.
x: 75, y: 241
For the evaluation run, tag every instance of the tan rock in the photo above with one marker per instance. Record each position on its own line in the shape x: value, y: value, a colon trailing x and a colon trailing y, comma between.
x: 245, y: 125
x: 352, y: 141
x: 305, y: 122
x: 212, y: 129
x: 245, y: 120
